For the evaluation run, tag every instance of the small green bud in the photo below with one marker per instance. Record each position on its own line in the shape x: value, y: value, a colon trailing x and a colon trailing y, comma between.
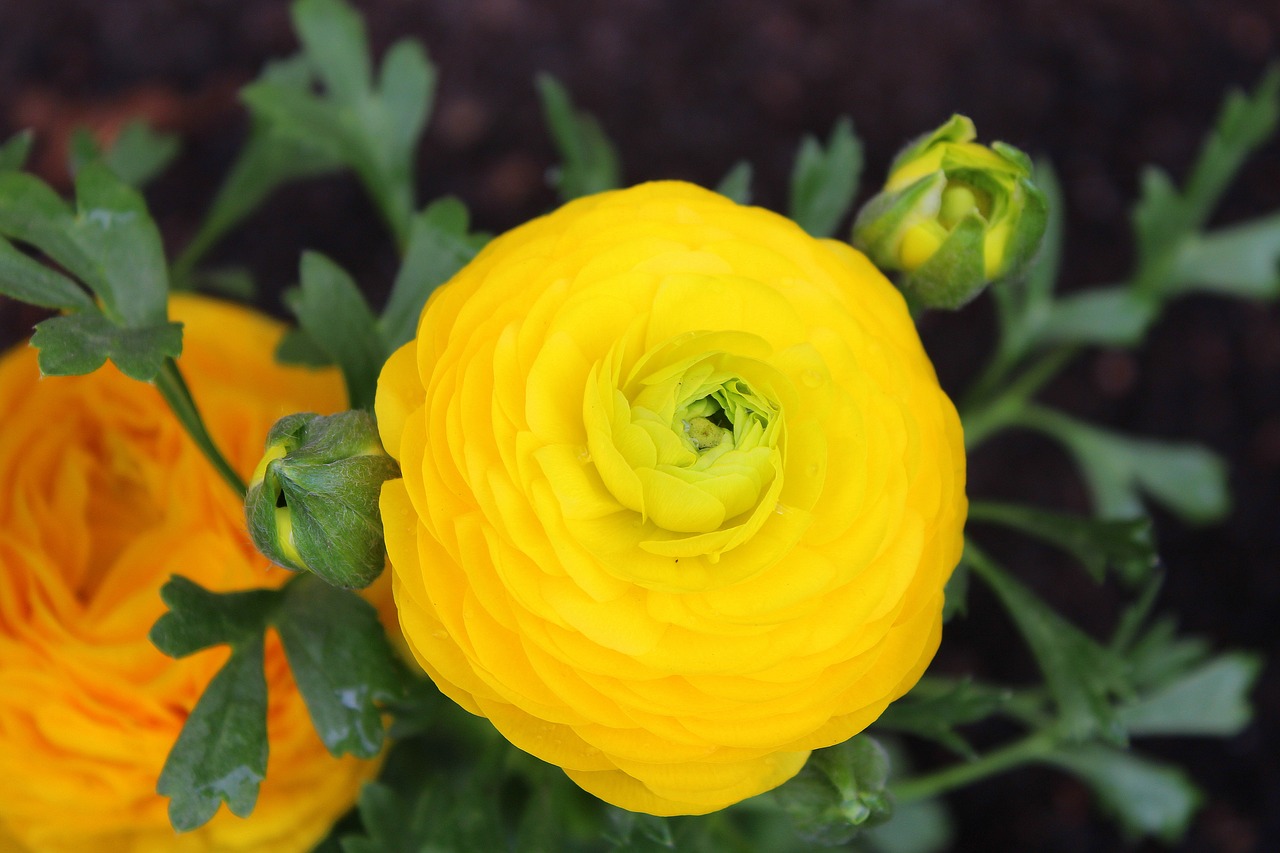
x: 954, y: 216
x: 312, y: 503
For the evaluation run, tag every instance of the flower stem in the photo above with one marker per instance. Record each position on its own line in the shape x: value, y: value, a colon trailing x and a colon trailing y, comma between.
x: 982, y: 422
x: 176, y: 393
x: 1033, y: 747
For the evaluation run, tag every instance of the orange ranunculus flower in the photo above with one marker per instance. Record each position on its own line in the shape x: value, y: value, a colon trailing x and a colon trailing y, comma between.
x: 680, y: 494
x: 102, y: 497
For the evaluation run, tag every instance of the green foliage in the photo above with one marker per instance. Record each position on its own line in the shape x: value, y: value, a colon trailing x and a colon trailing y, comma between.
x: 341, y: 662
x: 335, y: 317
x: 736, y: 184
x: 588, y: 160
x: 14, y: 151
x: 824, y: 180
x: 1146, y: 797
x: 1125, y: 544
x: 137, y: 156
x: 841, y: 790
x: 934, y: 708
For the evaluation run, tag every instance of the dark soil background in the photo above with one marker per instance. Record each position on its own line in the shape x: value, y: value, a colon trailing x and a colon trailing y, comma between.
x: 686, y: 89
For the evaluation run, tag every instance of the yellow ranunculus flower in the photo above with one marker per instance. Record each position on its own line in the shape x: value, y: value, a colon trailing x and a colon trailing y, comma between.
x: 102, y: 497
x: 680, y: 494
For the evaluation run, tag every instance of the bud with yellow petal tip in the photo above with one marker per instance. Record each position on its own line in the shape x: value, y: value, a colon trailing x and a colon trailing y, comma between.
x: 312, y: 503
x: 954, y: 216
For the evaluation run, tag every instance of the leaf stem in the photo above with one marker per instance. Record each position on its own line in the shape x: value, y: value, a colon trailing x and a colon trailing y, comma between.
x: 1033, y: 747
x: 176, y: 393
x: 982, y: 422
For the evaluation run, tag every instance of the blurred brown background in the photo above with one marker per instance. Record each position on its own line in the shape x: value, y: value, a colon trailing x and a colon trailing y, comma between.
x: 686, y: 89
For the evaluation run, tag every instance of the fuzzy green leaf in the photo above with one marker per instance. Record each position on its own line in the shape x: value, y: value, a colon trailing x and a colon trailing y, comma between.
x: 76, y: 344
x: 221, y: 753
x: 824, y: 180
x: 1125, y: 544
x: 1147, y: 798
x: 588, y: 161
x: 334, y: 315
x: 342, y: 663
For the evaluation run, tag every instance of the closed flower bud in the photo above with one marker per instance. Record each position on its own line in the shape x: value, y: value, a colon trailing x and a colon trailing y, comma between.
x: 312, y: 503
x: 954, y: 216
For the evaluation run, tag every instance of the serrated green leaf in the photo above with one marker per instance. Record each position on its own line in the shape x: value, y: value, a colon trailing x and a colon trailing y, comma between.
x: 588, y: 160
x: 1125, y: 544
x: 736, y: 184
x: 1243, y: 261
x: 824, y: 181
x: 110, y: 242
x: 1082, y: 675
x: 199, y: 619
x: 439, y: 246
x: 333, y: 313
x: 1147, y: 798
x: 1160, y: 656
x: 76, y: 344
x: 1102, y: 317
x: 342, y: 663
x: 24, y: 278
x: 934, y: 708
x: 1210, y: 700
x: 221, y: 754
x: 1186, y: 479
x: 14, y: 152
x: 840, y: 791
x: 333, y: 37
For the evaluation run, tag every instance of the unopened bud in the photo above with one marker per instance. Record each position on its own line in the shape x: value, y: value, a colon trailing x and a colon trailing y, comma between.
x: 312, y: 503
x: 954, y: 216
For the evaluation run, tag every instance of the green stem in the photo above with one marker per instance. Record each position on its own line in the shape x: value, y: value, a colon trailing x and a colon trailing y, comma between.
x: 1031, y: 748
x: 986, y: 420
x: 176, y: 393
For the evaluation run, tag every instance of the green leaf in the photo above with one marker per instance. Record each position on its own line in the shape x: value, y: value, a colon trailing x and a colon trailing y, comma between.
x: 199, y: 619
x: 918, y: 826
x: 24, y: 278
x: 14, y: 152
x: 110, y: 243
x: 1187, y: 479
x: 439, y: 246
x: 736, y: 184
x: 1100, y: 317
x: 1243, y: 261
x: 840, y: 790
x: 934, y: 708
x: 824, y: 181
x: 956, y: 593
x: 333, y: 38
x: 76, y: 344
x: 1210, y: 700
x: 271, y: 157
x: 1125, y: 544
x: 342, y: 663
x: 296, y: 347
x: 634, y: 832
x: 1147, y: 798
x: 589, y: 163
x: 1082, y: 675
x: 221, y: 754
x: 334, y: 315
x: 137, y: 155
x: 1159, y: 656
x: 392, y: 827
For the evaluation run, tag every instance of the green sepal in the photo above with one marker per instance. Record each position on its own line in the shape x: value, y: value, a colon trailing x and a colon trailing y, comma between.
x: 955, y: 274
x: 840, y: 791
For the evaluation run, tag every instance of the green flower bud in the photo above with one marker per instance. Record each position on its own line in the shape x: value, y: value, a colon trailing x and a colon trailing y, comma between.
x: 312, y: 503
x: 954, y: 216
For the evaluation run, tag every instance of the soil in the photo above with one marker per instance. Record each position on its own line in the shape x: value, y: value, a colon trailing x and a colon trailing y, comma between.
x: 1101, y: 87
